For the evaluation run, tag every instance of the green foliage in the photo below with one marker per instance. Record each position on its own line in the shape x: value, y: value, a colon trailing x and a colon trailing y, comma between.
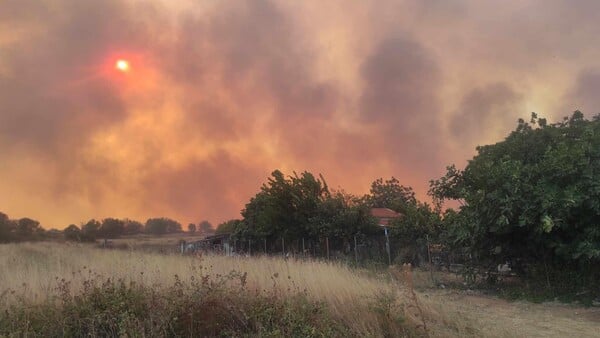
x: 390, y: 315
x: 161, y: 226
x: 534, y: 197
x: 418, y: 225
x: 229, y: 227
x: 301, y: 206
x: 391, y: 194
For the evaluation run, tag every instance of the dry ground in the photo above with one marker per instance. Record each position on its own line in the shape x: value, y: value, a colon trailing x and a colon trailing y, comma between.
x: 485, y: 316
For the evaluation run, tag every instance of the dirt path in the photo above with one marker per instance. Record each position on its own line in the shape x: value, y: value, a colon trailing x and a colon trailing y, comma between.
x: 456, y: 313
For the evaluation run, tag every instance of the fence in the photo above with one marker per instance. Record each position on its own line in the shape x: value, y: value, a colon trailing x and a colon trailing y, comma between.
x: 359, y: 249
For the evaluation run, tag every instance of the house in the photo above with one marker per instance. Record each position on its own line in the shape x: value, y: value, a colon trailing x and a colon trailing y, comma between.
x: 384, y: 216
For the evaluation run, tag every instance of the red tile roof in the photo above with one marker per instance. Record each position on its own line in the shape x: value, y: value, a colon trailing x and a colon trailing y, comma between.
x: 384, y: 213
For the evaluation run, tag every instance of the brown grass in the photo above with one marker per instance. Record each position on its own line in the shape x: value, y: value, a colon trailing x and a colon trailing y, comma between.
x: 33, y: 269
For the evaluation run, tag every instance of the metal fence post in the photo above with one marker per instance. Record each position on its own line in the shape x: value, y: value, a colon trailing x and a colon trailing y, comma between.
x: 355, y: 251
x: 387, y: 245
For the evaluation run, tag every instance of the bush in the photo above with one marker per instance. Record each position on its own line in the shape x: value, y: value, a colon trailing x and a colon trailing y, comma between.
x: 208, y: 306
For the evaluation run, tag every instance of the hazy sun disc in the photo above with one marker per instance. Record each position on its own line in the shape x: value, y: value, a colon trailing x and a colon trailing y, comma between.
x: 122, y: 65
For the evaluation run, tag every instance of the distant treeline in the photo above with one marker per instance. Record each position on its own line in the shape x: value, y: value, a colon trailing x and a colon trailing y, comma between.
x: 27, y: 229
x: 16, y: 230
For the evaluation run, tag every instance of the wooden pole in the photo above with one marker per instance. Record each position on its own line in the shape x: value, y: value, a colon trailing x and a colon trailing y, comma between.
x: 303, y: 249
x: 265, y: 242
x: 249, y: 247
x: 283, y: 246
x: 327, y: 246
x: 430, y: 262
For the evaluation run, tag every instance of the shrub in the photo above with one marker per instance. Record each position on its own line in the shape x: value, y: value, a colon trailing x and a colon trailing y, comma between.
x: 206, y: 306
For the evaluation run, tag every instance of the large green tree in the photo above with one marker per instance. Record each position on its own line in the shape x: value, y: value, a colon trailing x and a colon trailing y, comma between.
x: 301, y: 206
x: 534, y: 196
x: 284, y: 206
x: 391, y: 194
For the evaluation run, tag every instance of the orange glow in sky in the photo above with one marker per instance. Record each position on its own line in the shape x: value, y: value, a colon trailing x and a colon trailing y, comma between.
x: 183, y: 110
x: 122, y: 65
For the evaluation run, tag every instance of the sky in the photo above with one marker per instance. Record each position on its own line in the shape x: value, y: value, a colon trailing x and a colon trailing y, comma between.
x: 219, y: 94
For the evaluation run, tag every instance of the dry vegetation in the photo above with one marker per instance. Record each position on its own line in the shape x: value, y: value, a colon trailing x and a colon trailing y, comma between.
x: 360, y: 301
x: 34, y: 269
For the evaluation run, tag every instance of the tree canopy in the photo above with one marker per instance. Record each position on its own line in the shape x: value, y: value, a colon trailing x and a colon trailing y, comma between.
x: 302, y: 206
x: 163, y: 225
x: 533, y: 196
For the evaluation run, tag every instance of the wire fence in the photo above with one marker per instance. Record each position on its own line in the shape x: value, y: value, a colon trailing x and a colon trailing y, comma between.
x: 359, y: 249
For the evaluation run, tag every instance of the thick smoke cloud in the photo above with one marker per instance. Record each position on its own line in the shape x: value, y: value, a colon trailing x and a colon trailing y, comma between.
x: 222, y: 93
x: 400, y: 98
x: 584, y: 94
x: 493, y: 107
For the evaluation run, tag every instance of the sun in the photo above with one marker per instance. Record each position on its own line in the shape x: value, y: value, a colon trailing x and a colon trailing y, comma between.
x: 122, y: 65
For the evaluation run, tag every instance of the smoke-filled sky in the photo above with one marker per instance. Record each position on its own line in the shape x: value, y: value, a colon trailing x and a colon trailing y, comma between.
x: 220, y: 93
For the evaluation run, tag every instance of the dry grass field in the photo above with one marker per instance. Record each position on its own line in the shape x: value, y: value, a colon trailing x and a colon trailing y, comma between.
x: 32, y: 271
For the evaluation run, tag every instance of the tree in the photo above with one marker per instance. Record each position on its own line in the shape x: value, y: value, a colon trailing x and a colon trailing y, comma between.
x: 391, y: 194
x: 7, y: 228
x: 72, y: 233
x: 205, y: 227
x: 192, y: 228
x: 133, y: 227
x: 112, y: 228
x: 301, y: 207
x: 28, y: 229
x: 284, y: 207
x: 160, y: 226
x: 418, y: 225
x: 533, y: 197
x: 229, y: 227
x: 90, y: 230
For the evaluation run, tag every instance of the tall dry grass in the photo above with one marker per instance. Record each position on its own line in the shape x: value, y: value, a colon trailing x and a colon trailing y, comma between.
x: 33, y: 270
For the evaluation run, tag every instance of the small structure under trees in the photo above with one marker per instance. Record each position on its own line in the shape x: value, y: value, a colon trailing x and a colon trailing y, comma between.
x: 384, y: 216
x: 216, y: 243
